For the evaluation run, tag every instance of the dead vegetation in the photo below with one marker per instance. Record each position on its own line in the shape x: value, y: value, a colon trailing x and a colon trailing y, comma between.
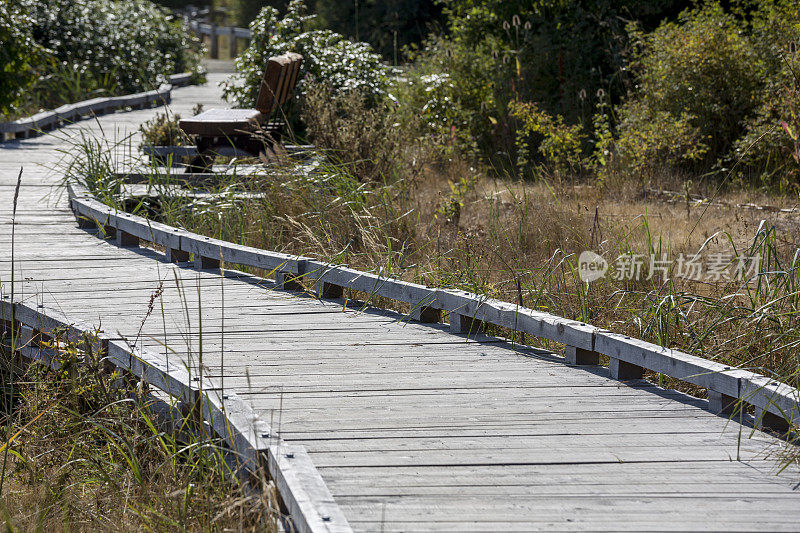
x: 86, y: 452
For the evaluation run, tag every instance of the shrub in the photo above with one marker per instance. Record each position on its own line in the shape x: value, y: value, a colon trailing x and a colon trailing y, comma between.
x: 449, y: 90
x: 134, y: 44
x: 699, y: 81
x: 544, y: 51
x: 559, y: 143
x: 20, y: 56
x: 768, y: 152
x: 59, y: 51
x: 364, y: 138
x: 327, y: 57
x: 388, y: 26
x: 164, y: 130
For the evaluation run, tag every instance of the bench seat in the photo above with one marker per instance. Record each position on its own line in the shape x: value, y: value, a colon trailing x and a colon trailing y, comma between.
x: 223, y: 122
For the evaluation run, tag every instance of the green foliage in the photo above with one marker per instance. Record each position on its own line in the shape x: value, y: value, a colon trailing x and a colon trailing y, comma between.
x: 559, y: 143
x: 544, y: 51
x: 328, y: 57
x: 59, y: 51
x: 388, y: 25
x: 163, y: 130
x: 699, y: 81
x: 650, y: 139
x: 359, y: 136
x: 769, y: 151
x: 717, y: 91
x: 450, y: 91
x: 450, y: 208
x: 19, y: 54
x: 136, y: 41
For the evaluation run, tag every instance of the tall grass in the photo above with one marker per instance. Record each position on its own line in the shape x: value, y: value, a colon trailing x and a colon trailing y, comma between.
x: 89, y: 450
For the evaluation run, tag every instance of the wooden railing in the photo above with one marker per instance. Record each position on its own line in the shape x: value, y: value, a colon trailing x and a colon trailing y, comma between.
x: 258, y: 449
x: 48, y: 120
x: 776, y: 403
x: 213, y: 32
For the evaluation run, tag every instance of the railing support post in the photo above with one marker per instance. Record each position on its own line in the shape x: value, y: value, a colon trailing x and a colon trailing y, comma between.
x: 623, y: 371
x: 464, y: 324
x: 205, y: 263
x: 766, y: 420
x: 176, y: 256
x: 719, y: 403
x: 329, y: 290
x: 126, y: 240
x: 287, y: 281
x: 85, y: 223
x: 430, y: 315
x: 232, y: 43
x: 214, y: 47
x: 581, y: 356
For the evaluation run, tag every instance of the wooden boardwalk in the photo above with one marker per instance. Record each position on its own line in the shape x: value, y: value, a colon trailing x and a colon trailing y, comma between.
x: 411, y: 427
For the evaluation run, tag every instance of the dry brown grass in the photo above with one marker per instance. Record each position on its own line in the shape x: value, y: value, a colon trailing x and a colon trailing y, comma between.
x: 89, y: 458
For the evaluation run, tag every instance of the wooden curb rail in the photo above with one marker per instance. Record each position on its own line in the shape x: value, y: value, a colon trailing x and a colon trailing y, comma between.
x: 776, y: 404
x: 308, y: 500
x: 48, y: 120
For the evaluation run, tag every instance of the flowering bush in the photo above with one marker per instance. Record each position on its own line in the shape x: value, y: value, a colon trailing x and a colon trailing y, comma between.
x: 327, y: 57
x: 57, y: 51
x: 134, y: 44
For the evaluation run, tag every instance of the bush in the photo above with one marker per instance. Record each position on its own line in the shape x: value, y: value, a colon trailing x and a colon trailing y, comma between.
x: 559, y: 143
x: 134, y: 42
x: 20, y: 56
x: 450, y: 91
x: 389, y: 26
x: 362, y: 137
x: 770, y: 150
x: 60, y: 51
x: 327, y: 57
x: 699, y: 81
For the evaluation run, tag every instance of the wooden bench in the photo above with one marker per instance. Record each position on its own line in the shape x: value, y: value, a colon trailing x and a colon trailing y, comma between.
x: 246, y: 132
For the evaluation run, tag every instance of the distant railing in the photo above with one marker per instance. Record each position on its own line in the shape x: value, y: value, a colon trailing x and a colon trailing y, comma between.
x: 775, y: 403
x: 66, y: 114
x: 213, y: 32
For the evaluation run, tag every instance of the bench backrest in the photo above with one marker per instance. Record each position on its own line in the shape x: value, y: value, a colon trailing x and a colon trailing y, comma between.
x: 278, y: 81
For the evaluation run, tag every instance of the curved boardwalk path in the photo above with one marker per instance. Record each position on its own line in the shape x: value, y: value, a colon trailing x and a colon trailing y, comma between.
x: 412, y: 428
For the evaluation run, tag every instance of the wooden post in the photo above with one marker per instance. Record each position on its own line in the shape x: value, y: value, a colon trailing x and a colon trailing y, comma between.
x: 214, y: 42
x: 86, y: 223
x: 176, y: 256
x: 329, y: 290
x: 205, y: 263
x: 581, y: 356
x: 125, y: 239
x: 429, y: 315
x: 232, y: 44
x: 719, y: 403
x: 108, y: 231
x: 766, y: 420
x: 464, y: 324
x: 287, y: 281
x: 623, y: 371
